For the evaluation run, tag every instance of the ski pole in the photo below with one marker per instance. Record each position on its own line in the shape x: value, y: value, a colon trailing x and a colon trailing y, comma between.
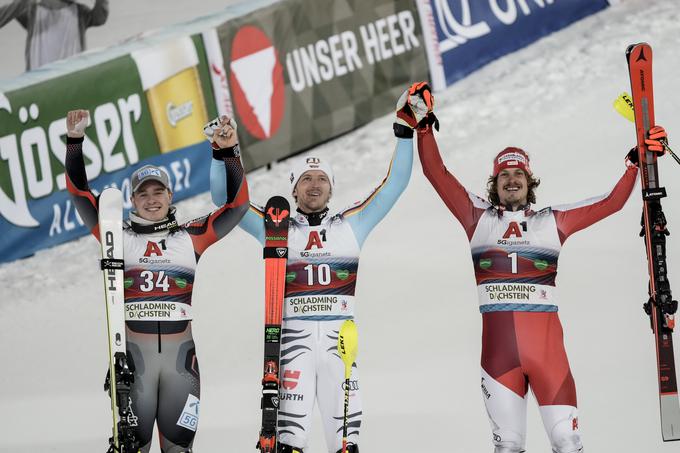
x: 347, y: 348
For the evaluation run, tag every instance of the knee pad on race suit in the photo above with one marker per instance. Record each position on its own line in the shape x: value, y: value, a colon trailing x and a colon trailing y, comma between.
x: 562, y: 428
x: 284, y: 448
x: 508, y: 441
x: 351, y: 448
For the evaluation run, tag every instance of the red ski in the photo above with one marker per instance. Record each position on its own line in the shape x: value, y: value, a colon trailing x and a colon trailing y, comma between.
x: 660, y: 307
x: 276, y: 220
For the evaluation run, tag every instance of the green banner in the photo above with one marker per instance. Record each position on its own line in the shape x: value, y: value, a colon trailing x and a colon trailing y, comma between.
x: 147, y: 104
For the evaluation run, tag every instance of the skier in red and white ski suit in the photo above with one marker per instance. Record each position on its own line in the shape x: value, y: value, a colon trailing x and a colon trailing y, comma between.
x: 515, y: 252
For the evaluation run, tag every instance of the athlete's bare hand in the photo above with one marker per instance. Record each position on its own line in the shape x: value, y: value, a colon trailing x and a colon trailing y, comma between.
x: 76, y: 122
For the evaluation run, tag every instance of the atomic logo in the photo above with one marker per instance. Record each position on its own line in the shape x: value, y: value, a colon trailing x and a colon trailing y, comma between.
x: 257, y: 82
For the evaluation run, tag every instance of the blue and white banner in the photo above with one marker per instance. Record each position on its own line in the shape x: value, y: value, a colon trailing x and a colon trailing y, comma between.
x: 463, y: 35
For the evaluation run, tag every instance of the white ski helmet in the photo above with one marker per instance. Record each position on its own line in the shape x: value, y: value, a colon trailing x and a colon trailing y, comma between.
x: 306, y: 164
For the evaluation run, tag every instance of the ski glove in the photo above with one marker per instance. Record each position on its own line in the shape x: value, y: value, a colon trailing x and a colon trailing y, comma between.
x: 414, y: 110
x: 656, y: 141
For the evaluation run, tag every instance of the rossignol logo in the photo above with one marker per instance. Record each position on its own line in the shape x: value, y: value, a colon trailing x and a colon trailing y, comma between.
x: 177, y: 113
x: 281, y: 251
x: 277, y: 215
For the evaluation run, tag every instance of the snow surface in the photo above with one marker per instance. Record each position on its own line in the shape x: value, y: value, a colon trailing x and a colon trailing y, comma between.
x: 419, y: 324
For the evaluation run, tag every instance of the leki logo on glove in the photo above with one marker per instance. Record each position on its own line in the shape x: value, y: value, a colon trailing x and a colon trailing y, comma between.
x: 257, y: 82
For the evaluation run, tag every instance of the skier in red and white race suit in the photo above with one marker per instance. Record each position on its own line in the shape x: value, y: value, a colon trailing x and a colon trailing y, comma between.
x: 161, y: 257
x: 514, y: 252
x: 321, y: 274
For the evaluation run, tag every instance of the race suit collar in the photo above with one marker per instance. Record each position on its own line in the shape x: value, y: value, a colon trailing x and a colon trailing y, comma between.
x: 314, y: 218
x: 143, y: 226
x: 526, y: 209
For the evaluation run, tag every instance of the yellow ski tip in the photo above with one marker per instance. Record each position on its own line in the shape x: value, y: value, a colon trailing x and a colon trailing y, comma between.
x: 624, y: 105
x: 348, y: 340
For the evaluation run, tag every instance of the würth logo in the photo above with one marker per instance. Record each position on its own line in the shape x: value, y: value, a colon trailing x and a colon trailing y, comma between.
x: 257, y: 82
x: 290, y: 379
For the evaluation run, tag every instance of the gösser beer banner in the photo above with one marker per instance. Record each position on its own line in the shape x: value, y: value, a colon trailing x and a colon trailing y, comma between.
x: 148, y: 106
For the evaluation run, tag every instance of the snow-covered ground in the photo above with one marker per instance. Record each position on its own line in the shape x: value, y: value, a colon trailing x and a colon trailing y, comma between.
x: 419, y: 325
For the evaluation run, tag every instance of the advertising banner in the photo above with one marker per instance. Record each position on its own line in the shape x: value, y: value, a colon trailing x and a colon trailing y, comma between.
x: 148, y: 106
x: 463, y: 35
x: 301, y: 72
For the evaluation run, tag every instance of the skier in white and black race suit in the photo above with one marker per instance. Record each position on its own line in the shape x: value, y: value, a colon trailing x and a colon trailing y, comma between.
x: 160, y: 262
x: 514, y: 252
x: 321, y: 274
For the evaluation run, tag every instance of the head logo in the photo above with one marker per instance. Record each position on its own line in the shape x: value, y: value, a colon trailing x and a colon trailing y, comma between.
x: 257, y: 82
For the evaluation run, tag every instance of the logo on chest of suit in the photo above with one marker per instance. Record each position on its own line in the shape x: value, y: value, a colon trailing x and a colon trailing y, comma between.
x: 316, y: 239
x: 153, y: 249
x: 514, y: 230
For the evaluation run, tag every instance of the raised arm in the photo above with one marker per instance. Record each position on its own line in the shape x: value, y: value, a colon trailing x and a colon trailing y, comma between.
x: 93, y: 17
x: 575, y: 217
x: 76, y: 178
x: 213, y: 227
x: 18, y: 9
x: 465, y: 206
x: 364, y: 216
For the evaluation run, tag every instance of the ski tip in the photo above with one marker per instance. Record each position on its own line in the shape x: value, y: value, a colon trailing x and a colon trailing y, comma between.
x: 645, y: 52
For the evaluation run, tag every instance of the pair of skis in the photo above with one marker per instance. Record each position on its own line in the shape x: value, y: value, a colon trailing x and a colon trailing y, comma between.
x: 276, y: 223
x: 660, y: 307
